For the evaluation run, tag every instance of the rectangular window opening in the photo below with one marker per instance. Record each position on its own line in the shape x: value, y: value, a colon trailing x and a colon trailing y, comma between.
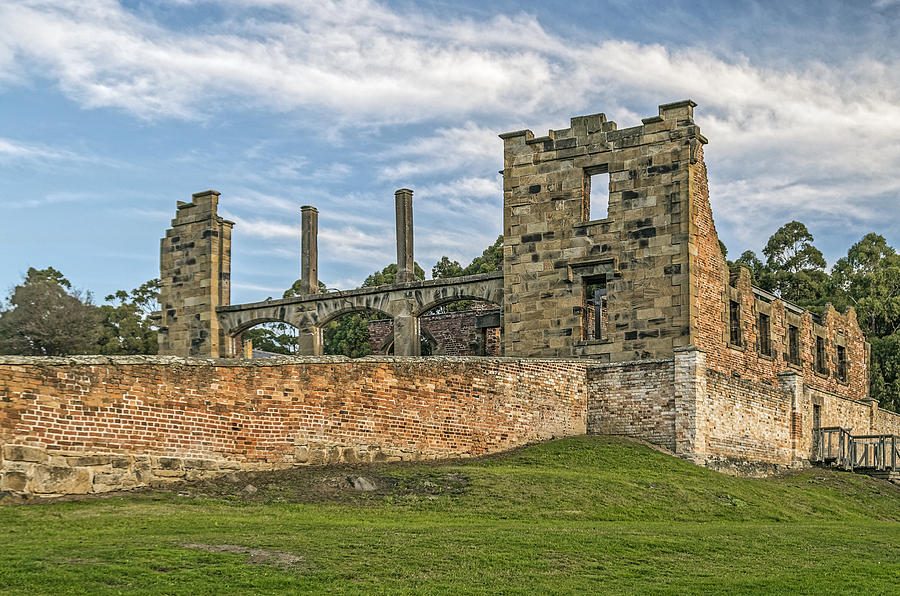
x: 734, y: 323
x: 820, y: 355
x: 594, y: 309
x: 596, y: 196
x: 765, y: 340
x: 842, y: 368
x: 793, y: 344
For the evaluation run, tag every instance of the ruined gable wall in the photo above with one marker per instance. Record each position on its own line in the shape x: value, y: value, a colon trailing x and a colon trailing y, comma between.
x: 551, y: 245
x: 713, y: 287
x: 144, y: 420
x: 195, y: 275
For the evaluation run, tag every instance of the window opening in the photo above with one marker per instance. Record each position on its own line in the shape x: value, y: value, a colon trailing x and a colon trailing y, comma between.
x: 842, y: 363
x: 793, y: 344
x: 820, y: 355
x: 734, y: 320
x: 765, y: 340
x: 594, y: 309
x: 596, y: 195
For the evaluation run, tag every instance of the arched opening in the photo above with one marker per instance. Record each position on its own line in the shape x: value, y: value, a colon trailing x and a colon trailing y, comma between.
x: 463, y: 326
x: 356, y: 332
x: 265, y: 339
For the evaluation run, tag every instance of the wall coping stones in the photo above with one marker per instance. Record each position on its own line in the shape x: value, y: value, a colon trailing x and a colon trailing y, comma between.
x: 100, y: 360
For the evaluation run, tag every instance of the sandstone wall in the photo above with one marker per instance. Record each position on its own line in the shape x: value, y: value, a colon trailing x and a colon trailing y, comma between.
x: 555, y: 248
x: 93, y: 424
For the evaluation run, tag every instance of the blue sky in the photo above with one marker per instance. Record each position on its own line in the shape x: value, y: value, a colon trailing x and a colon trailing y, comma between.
x: 113, y: 111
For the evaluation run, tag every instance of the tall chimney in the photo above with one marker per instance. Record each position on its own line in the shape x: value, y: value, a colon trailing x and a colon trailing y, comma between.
x: 309, y: 250
x: 405, y: 263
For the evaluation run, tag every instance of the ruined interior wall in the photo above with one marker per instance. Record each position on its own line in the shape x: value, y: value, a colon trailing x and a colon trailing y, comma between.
x: 551, y: 243
x: 152, y: 419
x: 634, y: 399
x: 712, y: 288
x: 456, y: 333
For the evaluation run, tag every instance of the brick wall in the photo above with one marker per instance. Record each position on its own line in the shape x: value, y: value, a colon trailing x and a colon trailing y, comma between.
x: 713, y: 287
x: 634, y: 399
x: 165, y: 417
x: 744, y: 419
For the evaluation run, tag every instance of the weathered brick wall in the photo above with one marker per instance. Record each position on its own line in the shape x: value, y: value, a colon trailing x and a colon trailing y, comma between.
x: 154, y: 419
x: 712, y: 288
x: 744, y: 419
x: 635, y: 399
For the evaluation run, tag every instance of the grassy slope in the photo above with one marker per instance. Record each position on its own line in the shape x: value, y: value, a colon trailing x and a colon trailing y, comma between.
x: 585, y: 513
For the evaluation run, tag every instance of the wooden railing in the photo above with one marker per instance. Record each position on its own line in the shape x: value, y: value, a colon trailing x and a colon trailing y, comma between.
x: 831, y: 445
x: 835, y: 445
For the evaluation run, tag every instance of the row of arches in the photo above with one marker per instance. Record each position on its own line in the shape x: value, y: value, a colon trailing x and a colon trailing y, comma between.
x: 460, y: 326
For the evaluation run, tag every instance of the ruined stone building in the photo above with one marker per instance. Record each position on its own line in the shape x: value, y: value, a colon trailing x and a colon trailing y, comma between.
x: 615, y: 312
x: 610, y: 253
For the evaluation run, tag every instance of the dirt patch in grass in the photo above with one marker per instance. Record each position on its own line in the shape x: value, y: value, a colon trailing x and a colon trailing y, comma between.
x: 255, y: 556
x: 344, y: 484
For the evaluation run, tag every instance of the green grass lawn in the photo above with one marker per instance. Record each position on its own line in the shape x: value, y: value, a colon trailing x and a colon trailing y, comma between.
x: 589, y: 513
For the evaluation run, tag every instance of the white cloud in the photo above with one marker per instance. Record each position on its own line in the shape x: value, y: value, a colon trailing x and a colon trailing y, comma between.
x: 809, y: 138
x: 265, y: 229
x: 448, y: 149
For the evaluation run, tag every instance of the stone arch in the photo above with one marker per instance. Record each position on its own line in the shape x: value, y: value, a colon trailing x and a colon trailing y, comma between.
x: 244, y: 326
x: 234, y: 335
x: 322, y: 320
x: 450, y: 295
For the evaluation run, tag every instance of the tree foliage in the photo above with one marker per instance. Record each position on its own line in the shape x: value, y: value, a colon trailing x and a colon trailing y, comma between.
x: 46, y: 317
x: 125, y: 325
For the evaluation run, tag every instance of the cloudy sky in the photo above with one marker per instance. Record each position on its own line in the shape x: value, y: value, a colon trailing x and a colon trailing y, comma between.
x: 112, y: 111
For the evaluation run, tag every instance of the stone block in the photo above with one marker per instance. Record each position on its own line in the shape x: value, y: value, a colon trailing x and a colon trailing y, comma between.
x: 166, y: 464
x: 88, y: 460
x: 201, y: 464
x: 61, y: 480
x: 25, y: 453
x: 114, y: 480
x: 301, y: 454
x: 16, y: 482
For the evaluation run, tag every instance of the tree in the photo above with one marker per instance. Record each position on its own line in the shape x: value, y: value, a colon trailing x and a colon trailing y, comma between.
x: 446, y: 268
x: 796, y: 266
x: 126, y: 328
x: 884, y: 373
x: 791, y: 249
x: 388, y: 276
x: 46, y: 317
x: 759, y: 274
